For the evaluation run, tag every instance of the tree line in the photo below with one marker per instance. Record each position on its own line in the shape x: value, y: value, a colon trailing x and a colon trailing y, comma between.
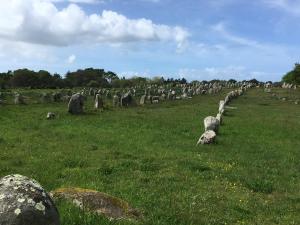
x: 89, y: 77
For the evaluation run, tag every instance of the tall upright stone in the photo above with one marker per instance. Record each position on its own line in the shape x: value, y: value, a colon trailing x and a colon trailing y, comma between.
x: 99, y: 104
x: 76, y: 103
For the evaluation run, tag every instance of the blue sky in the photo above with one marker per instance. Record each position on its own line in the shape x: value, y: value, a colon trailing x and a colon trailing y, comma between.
x: 195, y: 39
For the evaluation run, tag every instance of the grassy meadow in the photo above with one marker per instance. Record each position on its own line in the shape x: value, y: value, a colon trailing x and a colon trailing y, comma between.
x: 148, y: 157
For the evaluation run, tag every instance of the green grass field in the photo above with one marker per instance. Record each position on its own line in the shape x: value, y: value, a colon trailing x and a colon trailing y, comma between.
x: 148, y: 157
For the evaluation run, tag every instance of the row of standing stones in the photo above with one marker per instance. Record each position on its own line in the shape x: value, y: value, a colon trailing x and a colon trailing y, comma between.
x: 291, y: 87
x: 211, y: 123
x: 23, y: 201
x: 76, y: 101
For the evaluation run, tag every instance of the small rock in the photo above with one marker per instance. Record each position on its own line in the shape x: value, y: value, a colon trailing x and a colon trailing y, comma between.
x: 51, y: 116
x: 207, y: 138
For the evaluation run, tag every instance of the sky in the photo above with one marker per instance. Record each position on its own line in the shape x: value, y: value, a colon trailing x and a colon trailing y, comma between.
x: 194, y: 39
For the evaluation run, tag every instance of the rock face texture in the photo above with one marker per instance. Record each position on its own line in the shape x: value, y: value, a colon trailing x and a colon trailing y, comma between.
x: 211, y: 123
x: 24, y: 202
x: 76, y: 104
x: 207, y: 138
x: 98, y: 202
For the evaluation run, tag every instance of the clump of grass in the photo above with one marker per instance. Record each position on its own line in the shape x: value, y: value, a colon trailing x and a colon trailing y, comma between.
x: 75, y: 162
x: 261, y: 185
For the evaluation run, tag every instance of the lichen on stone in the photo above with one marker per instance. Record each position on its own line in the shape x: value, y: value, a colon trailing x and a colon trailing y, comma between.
x: 98, y: 202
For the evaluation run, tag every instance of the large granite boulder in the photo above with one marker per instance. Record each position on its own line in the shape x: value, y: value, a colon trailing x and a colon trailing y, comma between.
x: 23, y: 201
x: 76, y: 104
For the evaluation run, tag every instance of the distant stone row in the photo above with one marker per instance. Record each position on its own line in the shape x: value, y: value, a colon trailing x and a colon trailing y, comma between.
x: 151, y: 94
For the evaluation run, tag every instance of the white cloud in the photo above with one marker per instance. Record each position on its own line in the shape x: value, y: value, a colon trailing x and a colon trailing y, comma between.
x: 71, y: 59
x: 77, y: 1
x: 41, y: 22
x: 290, y: 6
x: 221, y: 29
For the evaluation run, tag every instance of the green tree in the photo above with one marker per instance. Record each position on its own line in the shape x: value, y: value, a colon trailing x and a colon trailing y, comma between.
x: 293, y: 77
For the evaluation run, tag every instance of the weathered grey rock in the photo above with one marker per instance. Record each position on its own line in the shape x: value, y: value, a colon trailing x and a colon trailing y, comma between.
x: 19, y: 100
x: 142, y: 100
x: 207, y: 138
x: 116, y: 101
x: 219, y: 118
x: 76, y: 104
x: 51, y: 116
x: 24, y: 202
x: 221, y: 107
x: 99, y: 104
x: 98, y: 202
x: 126, y: 99
x: 211, y: 123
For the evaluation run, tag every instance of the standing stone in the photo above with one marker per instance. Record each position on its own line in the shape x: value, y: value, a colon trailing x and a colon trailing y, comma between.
x: 76, y: 104
x: 221, y: 107
x: 142, y: 100
x: 99, y: 104
x: 219, y: 118
x: 207, y: 138
x: 211, y: 123
x: 126, y: 99
x: 116, y: 101
x: 24, y: 202
x: 19, y: 100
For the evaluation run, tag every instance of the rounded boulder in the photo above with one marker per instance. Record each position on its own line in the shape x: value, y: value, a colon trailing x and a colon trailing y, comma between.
x: 23, y: 201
